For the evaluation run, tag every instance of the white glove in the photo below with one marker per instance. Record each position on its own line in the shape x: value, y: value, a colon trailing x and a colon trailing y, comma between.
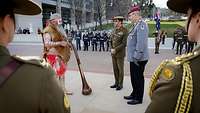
x: 113, y: 51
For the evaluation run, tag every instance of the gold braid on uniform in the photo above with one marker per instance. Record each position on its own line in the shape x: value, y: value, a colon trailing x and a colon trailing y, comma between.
x: 186, y: 92
x: 155, y: 77
x: 185, y: 96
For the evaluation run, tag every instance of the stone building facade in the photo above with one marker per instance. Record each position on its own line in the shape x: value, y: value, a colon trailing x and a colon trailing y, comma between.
x: 76, y: 14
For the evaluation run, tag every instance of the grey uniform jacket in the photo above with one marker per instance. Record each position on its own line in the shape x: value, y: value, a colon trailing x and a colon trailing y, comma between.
x: 137, y: 42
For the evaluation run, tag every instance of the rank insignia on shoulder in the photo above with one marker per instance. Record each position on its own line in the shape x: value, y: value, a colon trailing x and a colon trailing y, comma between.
x: 167, y: 74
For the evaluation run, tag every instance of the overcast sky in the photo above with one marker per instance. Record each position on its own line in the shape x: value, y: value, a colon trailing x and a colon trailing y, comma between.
x: 160, y: 3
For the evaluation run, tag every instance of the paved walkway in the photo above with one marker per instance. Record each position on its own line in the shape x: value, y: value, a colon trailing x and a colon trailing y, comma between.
x: 103, y: 99
x: 98, y: 70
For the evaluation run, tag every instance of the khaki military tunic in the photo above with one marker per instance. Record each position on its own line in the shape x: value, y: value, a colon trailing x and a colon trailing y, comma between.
x: 118, y: 42
x: 175, y: 86
x: 31, y: 89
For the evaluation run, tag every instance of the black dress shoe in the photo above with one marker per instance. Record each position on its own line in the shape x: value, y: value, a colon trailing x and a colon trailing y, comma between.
x: 113, y: 86
x: 129, y: 97
x: 134, y: 102
x: 119, y: 87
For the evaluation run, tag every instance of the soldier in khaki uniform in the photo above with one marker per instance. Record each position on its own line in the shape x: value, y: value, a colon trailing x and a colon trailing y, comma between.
x: 175, y: 85
x: 26, y: 86
x: 157, y: 41
x: 118, y: 45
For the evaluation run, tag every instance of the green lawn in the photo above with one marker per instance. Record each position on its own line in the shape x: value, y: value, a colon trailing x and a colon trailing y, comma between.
x: 169, y: 27
x: 166, y: 25
x: 181, y: 23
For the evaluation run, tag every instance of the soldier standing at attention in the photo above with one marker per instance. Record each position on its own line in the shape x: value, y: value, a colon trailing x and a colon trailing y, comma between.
x: 179, y: 33
x: 85, y: 41
x: 90, y: 36
x: 163, y: 36
x: 190, y: 46
x: 26, y: 86
x: 175, y: 84
x: 157, y: 41
x: 107, y: 40
x: 78, y: 40
x: 98, y: 36
x: 94, y: 42
x: 137, y: 55
x: 118, y: 45
x: 102, y: 40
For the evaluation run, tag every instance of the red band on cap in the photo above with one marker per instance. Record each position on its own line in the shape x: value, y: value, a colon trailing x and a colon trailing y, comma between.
x: 134, y: 8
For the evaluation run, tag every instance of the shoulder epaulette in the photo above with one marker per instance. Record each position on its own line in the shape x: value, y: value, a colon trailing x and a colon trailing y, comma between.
x: 187, y: 57
x: 166, y: 70
x: 156, y: 76
x: 34, y: 61
x: 164, y: 66
x: 184, y: 100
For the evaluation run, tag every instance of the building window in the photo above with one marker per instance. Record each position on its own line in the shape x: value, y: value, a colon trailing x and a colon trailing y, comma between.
x: 67, y: 1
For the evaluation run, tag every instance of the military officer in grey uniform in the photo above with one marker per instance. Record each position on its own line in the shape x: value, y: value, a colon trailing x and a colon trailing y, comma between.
x: 118, y: 45
x: 26, y: 86
x: 175, y: 85
x: 137, y: 55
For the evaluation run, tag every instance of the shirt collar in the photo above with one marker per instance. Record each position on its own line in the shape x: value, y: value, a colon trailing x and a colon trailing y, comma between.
x: 4, y: 51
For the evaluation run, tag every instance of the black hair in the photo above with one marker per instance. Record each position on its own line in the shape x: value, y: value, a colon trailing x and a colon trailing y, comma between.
x: 195, y: 9
x: 10, y: 12
x: 121, y: 20
x: 7, y: 8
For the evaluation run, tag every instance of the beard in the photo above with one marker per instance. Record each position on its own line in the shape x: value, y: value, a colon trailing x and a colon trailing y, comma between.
x: 62, y: 31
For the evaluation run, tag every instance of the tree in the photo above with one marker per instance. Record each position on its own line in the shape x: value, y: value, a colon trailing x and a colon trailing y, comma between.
x: 122, y: 7
x: 147, y: 7
x: 100, y: 6
x: 117, y: 7
x: 78, y: 4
